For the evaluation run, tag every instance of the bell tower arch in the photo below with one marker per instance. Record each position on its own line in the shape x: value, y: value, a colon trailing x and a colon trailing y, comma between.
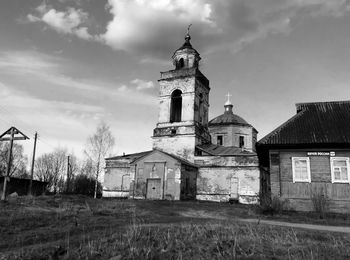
x: 183, y: 105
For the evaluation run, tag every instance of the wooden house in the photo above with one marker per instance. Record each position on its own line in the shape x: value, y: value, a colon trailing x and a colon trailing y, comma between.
x: 307, y: 157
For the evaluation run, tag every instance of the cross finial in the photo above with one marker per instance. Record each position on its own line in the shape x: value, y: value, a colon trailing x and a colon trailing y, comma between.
x: 228, y: 97
x: 188, y: 29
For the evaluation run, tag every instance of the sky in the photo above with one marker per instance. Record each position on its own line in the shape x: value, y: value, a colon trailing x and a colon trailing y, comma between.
x: 67, y: 65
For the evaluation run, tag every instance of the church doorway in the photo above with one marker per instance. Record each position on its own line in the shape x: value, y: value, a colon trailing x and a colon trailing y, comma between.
x: 153, y: 189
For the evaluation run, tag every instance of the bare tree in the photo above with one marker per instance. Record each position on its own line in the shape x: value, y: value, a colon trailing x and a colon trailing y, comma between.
x: 98, y: 145
x: 87, y: 168
x: 18, y: 161
x: 50, y: 167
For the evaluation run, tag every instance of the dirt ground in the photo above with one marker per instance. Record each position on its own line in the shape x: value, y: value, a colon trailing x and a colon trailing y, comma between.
x: 50, y: 224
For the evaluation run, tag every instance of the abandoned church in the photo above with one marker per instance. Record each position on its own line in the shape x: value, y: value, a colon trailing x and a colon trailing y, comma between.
x: 192, y: 157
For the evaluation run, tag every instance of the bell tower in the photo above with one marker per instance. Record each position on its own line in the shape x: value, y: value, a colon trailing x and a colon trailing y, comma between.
x: 183, y: 105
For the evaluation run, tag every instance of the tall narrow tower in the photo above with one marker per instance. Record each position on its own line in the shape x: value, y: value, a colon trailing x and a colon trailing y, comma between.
x: 183, y: 105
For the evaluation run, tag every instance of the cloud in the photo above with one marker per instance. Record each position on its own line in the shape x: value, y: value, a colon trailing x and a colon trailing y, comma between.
x: 152, y: 26
x: 45, y: 75
x: 149, y: 29
x: 142, y: 84
x: 64, y: 109
x: 71, y: 21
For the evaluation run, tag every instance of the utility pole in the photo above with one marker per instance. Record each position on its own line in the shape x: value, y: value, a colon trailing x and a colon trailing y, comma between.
x: 12, y: 132
x: 32, y: 169
x: 68, y: 173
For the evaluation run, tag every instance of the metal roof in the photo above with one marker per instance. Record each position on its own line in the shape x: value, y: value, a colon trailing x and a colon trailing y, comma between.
x: 132, y: 157
x: 314, y: 123
x: 136, y: 156
x: 178, y: 158
x: 218, y: 150
x: 228, y: 118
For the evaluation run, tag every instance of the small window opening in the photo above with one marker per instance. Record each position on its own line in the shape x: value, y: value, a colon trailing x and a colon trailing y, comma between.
x: 241, y: 141
x: 181, y: 63
x: 173, y: 131
x: 201, y: 110
x: 176, y: 106
x: 219, y: 140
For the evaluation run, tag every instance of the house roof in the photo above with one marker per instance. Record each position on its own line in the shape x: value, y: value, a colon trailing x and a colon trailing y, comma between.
x: 132, y: 157
x: 314, y: 123
x: 218, y: 150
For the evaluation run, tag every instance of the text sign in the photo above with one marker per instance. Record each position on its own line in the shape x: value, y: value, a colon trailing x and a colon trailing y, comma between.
x: 320, y: 153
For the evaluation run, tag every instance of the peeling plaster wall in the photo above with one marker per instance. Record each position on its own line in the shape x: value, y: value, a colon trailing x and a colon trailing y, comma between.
x: 188, y: 182
x: 115, y: 194
x: 171, y: 178
x: 180, y: 138
x: 227, y: 160
x: 225, y: 178
x: 180, y: 145
x: 116, y: 178
x: 232, y: 133
x: 187, y: 87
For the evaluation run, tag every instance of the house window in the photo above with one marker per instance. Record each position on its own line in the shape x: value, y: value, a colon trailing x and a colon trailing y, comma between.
x: 220, y: 140
x: 340, y: 169
x: 301, y: 169
x: 176, y: 106
x: 241, y: 141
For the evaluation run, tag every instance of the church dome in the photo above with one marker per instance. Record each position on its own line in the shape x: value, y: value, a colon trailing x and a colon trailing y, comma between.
x: 228, y: 118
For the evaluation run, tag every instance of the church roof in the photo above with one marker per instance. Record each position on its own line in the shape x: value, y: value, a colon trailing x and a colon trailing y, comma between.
x: 218, y: 150
x: 314, y: 123
x: 178, y: 158
x: 131, y: 157
x: 187, y: 45
x: 228, y: 118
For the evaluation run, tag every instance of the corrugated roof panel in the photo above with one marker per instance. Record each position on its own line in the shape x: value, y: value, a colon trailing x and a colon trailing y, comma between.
x: 320, y: 122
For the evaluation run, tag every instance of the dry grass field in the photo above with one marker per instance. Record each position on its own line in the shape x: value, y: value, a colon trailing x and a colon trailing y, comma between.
x: 77, y: 227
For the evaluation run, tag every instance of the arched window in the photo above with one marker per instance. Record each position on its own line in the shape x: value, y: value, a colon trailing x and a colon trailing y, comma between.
x: 176, y: 106
x: 200, y: 110
x: 181, y: 63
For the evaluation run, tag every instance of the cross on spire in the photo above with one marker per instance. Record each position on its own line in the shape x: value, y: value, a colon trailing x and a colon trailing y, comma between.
x: 188, y: 29
x: 228, y: 97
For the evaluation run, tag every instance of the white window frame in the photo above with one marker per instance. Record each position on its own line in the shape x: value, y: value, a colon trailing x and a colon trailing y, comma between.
x: 346, y: 159
x: 294, y: 159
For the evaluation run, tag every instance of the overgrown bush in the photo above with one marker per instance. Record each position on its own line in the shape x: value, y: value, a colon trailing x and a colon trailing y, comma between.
x: 272, y: 204
x: 320, y: 202
x: 86, y: 186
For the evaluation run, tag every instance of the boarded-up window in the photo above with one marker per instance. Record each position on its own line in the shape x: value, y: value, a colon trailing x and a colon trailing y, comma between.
x: 176, y: 106
x: 340, y: 169
x: 301, y: 169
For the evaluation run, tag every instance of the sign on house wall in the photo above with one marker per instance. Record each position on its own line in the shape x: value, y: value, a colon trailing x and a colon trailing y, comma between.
x: 321, y: 153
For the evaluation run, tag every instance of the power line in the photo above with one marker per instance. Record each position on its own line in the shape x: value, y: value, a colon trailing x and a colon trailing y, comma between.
x: 17, y: 120
x: 27, y: 126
